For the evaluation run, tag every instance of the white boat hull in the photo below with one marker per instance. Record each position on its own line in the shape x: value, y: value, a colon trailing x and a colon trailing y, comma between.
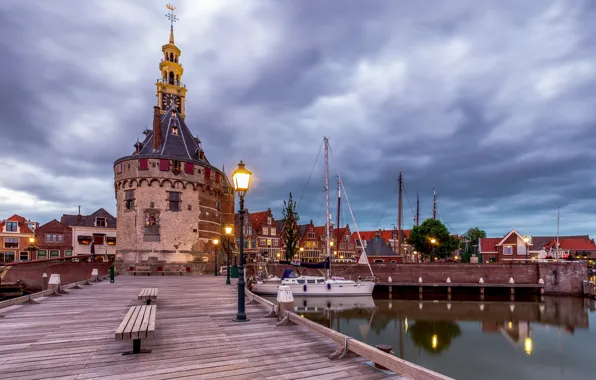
x: 318, y: 290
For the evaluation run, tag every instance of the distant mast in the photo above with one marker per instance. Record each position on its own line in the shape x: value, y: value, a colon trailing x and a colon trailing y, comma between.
x: 434, y: 204
x: 417, y: 209
x: 327, y: 214
x: 337, y: 237
x: 399, y: 213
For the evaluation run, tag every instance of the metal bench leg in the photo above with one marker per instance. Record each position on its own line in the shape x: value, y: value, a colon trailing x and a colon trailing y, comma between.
x: 148, y: 302
x: 136, y: 348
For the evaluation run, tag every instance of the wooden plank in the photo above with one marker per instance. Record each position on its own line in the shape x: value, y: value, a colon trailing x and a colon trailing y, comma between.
x: 143, y: 310
x: 120, y: 330
x: 142, y: 333
x: 151, y: 325
x: 127, y: 333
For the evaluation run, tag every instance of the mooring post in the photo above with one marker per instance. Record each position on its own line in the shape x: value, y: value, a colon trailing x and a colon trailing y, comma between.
x: 285, y: 302
x: 44, y: 281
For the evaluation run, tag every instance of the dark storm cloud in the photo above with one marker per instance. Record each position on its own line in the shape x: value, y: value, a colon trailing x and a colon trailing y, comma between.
x: 489, y: 102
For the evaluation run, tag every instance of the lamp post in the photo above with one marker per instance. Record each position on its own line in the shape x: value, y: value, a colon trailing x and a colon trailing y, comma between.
x: 32, y: 246
x: 215, y: 243
x: 527, y: 241
x: 241, y: 179
x: 228, y: 231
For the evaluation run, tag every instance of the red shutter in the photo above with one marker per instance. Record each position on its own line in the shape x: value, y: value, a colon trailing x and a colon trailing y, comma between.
x: 189, y: 168
x: 217, y: 177
x: 164, y: 165
x: 207, y: 173
x: 144, y: 164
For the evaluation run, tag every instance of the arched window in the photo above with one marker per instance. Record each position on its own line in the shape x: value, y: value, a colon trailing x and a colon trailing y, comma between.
x: 171, y: 81
x: 172, y: 57
x: 178, y: 80
x: 176, y: 58
x: 165, y: 76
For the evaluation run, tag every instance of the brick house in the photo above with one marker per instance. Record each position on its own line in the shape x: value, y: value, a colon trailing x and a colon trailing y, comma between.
x: 53, y: 239
x: 261, y: 235
x: 504, y: 249
x: 14, y: 238
x: 311, y: 249
x: 343, y: 245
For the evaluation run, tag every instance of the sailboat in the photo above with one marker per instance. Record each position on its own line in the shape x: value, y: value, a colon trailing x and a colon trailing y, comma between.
x: 320, y: 285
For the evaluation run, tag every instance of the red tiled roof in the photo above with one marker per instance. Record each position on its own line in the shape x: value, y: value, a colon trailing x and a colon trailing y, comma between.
x: 573, y: 244
x: 385, y: 234
x: 23, y: 228
x: 489, y: 244
x: 258, y: 218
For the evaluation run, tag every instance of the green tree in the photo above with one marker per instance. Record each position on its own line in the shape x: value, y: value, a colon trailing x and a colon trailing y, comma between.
x: 471, y: 235
x: 290, y: 233
x: 432, y: 239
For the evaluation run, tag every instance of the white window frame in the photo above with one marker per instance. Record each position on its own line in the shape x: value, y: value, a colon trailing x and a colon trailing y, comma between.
x: 508, y: 247
x: 53, y: 250
x: 17, y: 239
x: 265, y: 230
x: 273, y: 231
x: 45, y: 254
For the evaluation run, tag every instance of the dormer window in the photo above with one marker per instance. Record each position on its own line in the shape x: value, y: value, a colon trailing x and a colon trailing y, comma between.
x: 12, y: 226
x: 175, y: 131
x: 101, y: 222
x: 269, y: 220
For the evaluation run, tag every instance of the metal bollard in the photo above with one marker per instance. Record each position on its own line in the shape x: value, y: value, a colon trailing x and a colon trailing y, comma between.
x: 385, y: 348
x: 112, y: 273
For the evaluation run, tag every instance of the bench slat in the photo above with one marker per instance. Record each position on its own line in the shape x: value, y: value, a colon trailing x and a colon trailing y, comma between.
x: 148, y: 293
x: 148, y: 317
x: 151, y: 325
x: 135, y: 333
x: 120, y: 331
x: 128, y: 330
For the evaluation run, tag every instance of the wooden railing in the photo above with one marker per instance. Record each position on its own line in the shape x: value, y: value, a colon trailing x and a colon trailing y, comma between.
x: 393, y: 363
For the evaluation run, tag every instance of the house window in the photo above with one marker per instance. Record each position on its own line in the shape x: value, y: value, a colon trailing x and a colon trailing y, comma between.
x: 54, y: 253
x: 265, y: 231
x: 508, y: 250
x: 269, y: 220
x: 342, y: 246
x: 129, y: 199
x: 253, y: 244
x: 311, y: 235
x: 249, y: 230
x: 54, y: 238
x: 273, y: 231
x: 174, y: 201
x: 269, y: 245
x: 98, y: 239
x: 8, y: 257
x: 347, y: 238
x: 68, y: 253
x: 262, y: 242
x: 100, y: 222
x: 275, y: 242
x: 84, y: 240
x: 111, y: 240
x: 42, y: 254
x: 12, y: 226
x: 24, y: 256
x: 11, y: 243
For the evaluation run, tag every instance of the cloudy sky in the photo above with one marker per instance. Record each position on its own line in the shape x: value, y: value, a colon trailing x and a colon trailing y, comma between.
x: 491, y: 102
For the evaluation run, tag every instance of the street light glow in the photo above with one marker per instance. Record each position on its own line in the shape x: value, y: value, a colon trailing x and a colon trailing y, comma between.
x: 228, y: 230
x: 216, y: 241
x: 241, y: 178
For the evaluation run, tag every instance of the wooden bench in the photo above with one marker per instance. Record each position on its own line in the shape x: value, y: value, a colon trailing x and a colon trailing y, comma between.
x: 140, y: 269
x: 148, y: 294
x: 139, y: 323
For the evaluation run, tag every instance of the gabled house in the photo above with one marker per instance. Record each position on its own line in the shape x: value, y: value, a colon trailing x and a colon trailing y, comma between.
x: 343, y: 245
x: 98, y: 229
x: 379, y: 251
x: 53, y: 239
x: 311, y: 249
x: 14, y: 239
x: 510, y: 247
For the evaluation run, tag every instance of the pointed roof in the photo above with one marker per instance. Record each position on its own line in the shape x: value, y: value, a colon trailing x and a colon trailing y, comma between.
x: 178, y: 143
x: 172, y: 35
x: 509, y: 234
x: 71, y: 219
x: 23, y: 228
x: 89, y: 221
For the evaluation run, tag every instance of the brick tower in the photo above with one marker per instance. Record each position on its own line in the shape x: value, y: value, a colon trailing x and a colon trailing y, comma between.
x: 171, y: 201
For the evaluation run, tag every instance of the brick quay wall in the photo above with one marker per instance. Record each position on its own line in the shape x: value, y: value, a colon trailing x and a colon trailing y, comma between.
x: 563, y: 278
x: 31, y: 273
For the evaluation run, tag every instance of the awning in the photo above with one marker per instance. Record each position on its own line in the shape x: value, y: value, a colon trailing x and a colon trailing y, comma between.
x: 81, y: 237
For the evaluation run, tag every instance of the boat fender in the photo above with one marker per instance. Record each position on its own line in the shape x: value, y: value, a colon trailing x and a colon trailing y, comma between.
x: 328, y: 286
x: 305, y: 287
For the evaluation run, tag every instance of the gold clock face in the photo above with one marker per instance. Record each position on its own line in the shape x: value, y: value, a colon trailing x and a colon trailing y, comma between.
x: 168, y: 99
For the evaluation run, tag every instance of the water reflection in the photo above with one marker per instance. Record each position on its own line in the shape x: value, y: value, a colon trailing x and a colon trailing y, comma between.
x: 471, y: 339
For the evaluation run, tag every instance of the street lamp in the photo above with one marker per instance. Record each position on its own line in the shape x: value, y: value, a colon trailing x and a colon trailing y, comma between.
x: 228, y: 231
x: 32, y: 246
x: 215, y: 243
x: 241, y: 179
x: 527, y: 241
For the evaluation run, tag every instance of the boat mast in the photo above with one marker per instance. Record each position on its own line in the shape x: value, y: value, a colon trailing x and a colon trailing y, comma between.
x: 417, y: 209
x: 337, y: 237
x: 327, y: 215
x: 399, y: 214
x: 434, y: 204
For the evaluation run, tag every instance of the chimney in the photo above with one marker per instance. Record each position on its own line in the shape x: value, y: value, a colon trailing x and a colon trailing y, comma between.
x: 157, y: 137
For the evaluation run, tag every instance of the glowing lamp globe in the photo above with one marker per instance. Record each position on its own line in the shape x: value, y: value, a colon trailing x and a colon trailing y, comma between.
x: 216, y: 241
x: 228, y: 230
x: 241, y: 178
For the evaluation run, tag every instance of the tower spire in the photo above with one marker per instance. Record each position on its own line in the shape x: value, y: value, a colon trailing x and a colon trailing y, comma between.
x: 172, y: 17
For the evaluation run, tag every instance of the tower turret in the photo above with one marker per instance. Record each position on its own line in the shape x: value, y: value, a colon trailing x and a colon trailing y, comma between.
x: 170, y: 89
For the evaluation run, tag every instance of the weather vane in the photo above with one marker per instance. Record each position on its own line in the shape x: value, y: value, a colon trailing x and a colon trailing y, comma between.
x: 171, y: 16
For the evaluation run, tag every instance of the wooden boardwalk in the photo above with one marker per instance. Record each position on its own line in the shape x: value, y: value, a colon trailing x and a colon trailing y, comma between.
x: 72, y: 337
